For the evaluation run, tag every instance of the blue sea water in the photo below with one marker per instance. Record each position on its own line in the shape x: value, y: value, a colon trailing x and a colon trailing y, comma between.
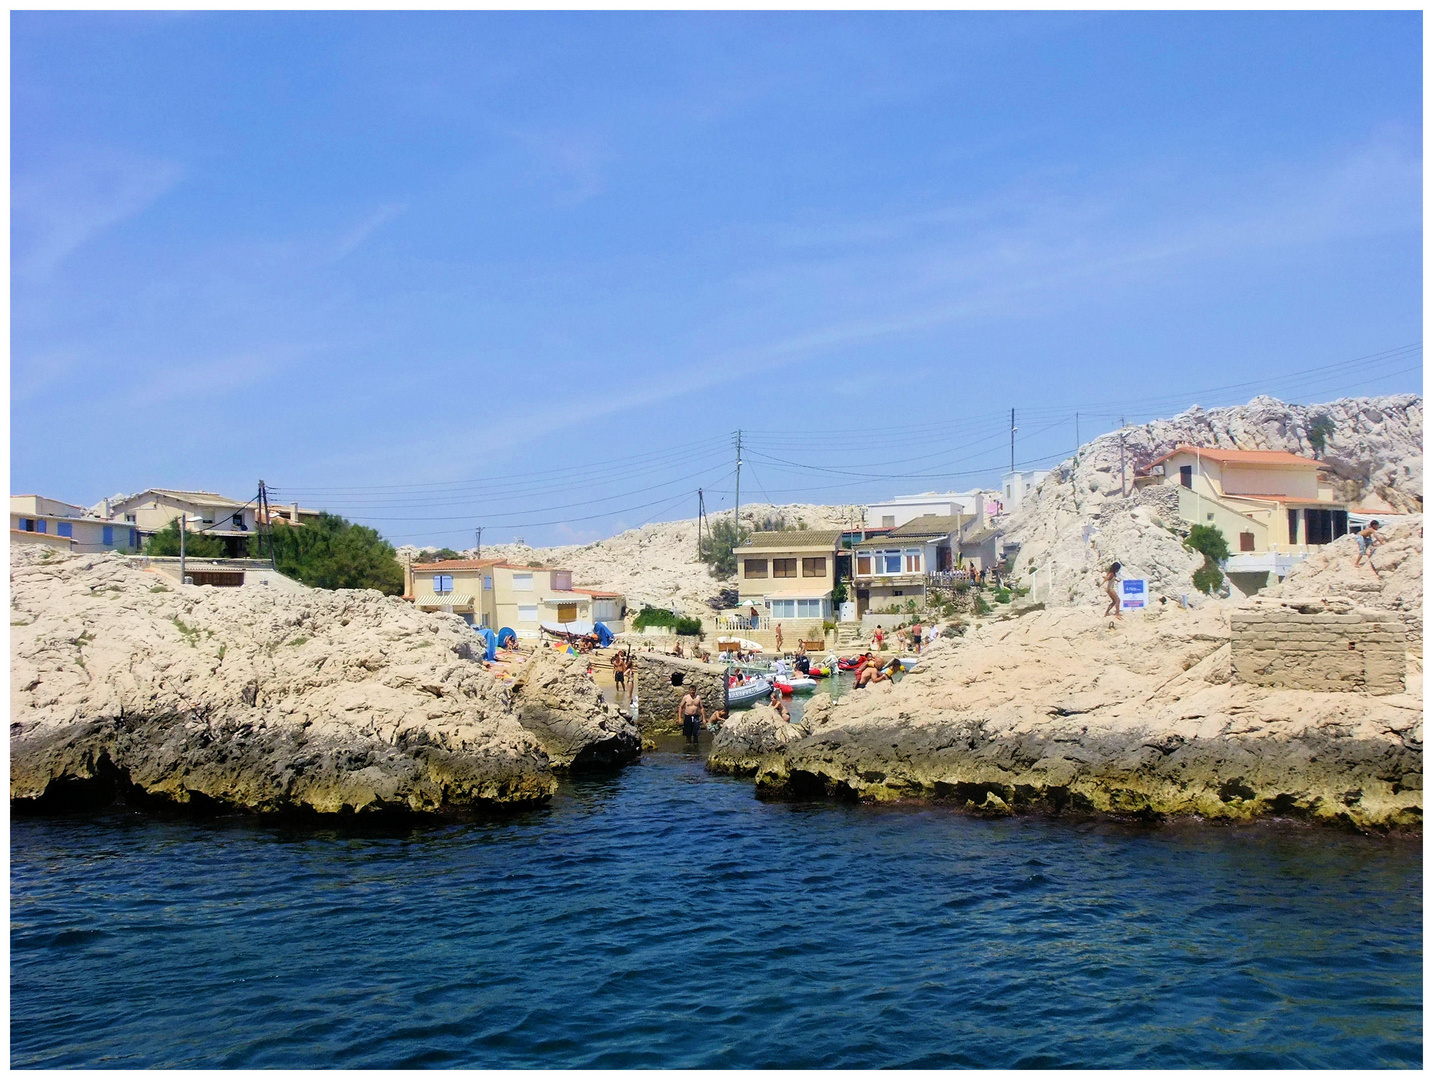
x: 664, y: 917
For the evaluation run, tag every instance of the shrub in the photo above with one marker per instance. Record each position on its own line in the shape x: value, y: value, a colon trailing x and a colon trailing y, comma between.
x: 718, y: 547
x: 197, y: 545
x: 1209, y: 542
x: 1320, y: 429
x: 1208, y: 577
x: 1002, y: 596
x: 331, y: 552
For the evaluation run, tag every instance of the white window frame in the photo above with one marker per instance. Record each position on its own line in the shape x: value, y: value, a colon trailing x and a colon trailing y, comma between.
x: 522, y: 583
x: 527, y: 613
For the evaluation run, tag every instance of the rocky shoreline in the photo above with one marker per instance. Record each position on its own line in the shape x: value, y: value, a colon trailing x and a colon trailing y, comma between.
x: 128, y: 687
x: 1063, y: 712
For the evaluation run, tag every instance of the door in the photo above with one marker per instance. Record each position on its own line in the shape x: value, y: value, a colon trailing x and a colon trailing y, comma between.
x: 1186, y: 476
x: 863, y: 601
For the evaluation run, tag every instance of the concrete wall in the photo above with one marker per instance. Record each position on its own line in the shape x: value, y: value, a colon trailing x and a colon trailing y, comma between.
x: 658, y: 697
x: 1318, y: 644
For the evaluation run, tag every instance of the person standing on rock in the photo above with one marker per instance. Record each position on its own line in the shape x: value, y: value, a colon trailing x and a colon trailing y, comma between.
x: 878, y: 638
x: 692, y: 713
x: 1112, y: 577
x: 1368, y: 539
x: 916, y: 638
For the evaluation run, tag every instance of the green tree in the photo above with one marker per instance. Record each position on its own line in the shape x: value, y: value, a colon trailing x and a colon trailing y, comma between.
x: 1319, y: 431
x: 333, y: 553
x: 198, y: 545
x: 719, y: 547
x: 1209, y: 541
x: 441, y: 555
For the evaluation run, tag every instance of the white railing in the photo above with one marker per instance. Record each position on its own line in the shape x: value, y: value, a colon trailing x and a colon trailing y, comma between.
x: 736, y: 624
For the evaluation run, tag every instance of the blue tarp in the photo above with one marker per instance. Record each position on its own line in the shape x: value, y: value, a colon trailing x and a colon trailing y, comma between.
x: 604, y: 636
x: 507, y: 638
x: 491, y: 652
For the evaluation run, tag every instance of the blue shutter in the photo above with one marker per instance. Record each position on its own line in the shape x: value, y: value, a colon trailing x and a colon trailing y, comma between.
x: 134, y: 538
x: 64, y: 528
x: 40, y: 525
x: 108, y: 535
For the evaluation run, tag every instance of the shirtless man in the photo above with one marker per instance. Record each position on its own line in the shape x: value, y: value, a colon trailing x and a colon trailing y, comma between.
x: 692, y: 714
x: 778, y: 637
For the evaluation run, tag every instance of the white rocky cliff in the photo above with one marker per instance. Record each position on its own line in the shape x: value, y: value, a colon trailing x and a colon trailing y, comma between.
x: 1077, y: 522
x: 126, y: 685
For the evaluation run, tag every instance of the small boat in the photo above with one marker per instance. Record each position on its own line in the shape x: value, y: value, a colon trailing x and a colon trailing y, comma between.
x: 797, y: 685
x: 908, y: 662
x: 848, y: 663
x: 744, y: 694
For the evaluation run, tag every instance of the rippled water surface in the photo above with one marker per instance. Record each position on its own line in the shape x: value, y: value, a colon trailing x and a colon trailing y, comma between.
x: 662, y: 917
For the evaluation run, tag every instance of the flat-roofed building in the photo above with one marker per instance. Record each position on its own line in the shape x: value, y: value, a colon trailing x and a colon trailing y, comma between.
x: 35, y: 519
x: 788, y: 575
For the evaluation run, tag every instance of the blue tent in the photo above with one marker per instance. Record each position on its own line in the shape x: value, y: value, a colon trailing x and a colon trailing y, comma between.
x: 507, y: 638
x: 604, y: 636
x: 491, y: 652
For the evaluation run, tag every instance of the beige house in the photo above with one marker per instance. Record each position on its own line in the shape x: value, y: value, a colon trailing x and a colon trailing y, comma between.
x: 495, y: 594
x: 892, y: 568
x: 1261, y: 500
x: 35, y: 519
x: 788, y: 575
x: 215, y: 515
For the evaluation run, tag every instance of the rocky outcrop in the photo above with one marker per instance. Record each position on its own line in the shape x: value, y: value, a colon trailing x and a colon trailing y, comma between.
x: 558, y: 702
x: 1078, y: 520
x: 752, y: 740
x: 1062, y: 711
x: 124, y: 684
x: 1394, y: 581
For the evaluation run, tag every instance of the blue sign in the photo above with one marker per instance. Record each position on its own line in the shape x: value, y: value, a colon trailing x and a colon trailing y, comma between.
x: 1134, y: 594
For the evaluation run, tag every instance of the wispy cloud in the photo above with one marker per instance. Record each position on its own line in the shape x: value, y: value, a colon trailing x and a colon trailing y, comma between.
x: 212, y: 378
x: 352, y: 239
x: 59, y: 206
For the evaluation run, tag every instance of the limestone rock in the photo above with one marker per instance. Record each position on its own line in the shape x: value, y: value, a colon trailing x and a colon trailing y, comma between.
x: 558, y: 702
x: 124, y: 683
x: 1077, y: 522
x: 750, y: 739
x: 1060, y: 711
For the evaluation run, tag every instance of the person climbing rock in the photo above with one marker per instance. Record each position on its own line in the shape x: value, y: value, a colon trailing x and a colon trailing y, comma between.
x: 1112, y: 577
x: 1368, y: 539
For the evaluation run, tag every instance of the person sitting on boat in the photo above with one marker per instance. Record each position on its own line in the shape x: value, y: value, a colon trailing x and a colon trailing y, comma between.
x: 782, y: 672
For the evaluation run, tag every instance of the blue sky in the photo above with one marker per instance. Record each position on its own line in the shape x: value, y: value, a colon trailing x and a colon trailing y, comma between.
x: 531, y: 271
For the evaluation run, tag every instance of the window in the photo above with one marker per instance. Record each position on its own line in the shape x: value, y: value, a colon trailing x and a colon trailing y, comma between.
x: 566, y: 613
x: 783, y: 567
x: 755, y: 567
x: 891, y: 562
x: 1293, y: 526
x: 527, y: 613
x: 1246, y: 541
x: 442, y: 583
x: 64, y: 528
x: 238, y: 520
x: 487, y: 583
x: 40, y: 525
x: 888, y: 521
x: 108, y: 537
x: 1318, y: 525
x: 522, y: 583
x: 814, y: 567
x: 783, y: 609
x: 1186, y: 476
x: 809, y: 609
x: 27, y: 524
x: 913, y: 562
x: 562, y: 580
x: 863, y: 565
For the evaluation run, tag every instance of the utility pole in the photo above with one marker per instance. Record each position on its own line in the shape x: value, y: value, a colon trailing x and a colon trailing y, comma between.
x: 264, y: 520
x: 701, y: 513
x: 736, y: 539
x: 183, y: 528
x: 478, y: 541
x: 1012, y: 440
x: 1122, y: 457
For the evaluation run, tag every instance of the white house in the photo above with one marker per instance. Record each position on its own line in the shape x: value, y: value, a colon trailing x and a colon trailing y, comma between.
x: 893, y: 513
x: 1016, y: 485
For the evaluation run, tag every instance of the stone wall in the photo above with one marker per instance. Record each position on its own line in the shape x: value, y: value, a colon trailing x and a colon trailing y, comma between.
x: 1318, y: 644
x: 663, y: 680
